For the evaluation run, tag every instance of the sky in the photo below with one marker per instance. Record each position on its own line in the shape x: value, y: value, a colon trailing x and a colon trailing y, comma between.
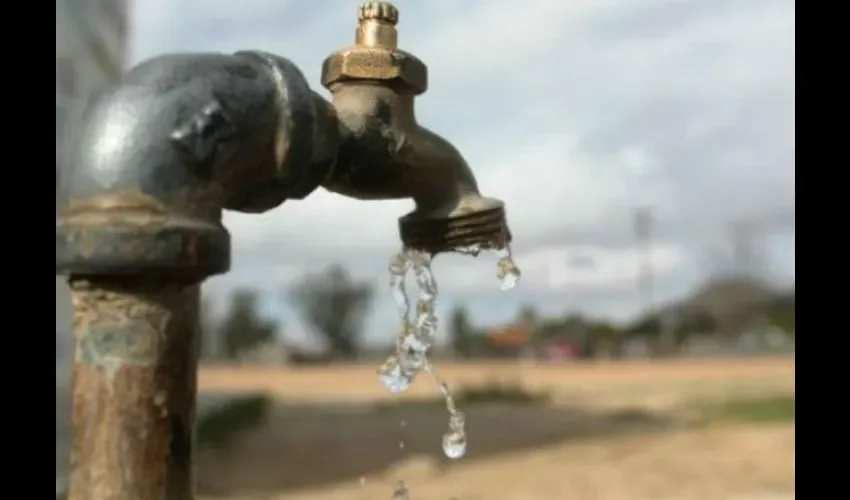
x: 574, y: 113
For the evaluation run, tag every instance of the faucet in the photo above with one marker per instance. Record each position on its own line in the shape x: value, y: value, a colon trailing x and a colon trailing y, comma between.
x: 384, y: 153
x: 158, y: 157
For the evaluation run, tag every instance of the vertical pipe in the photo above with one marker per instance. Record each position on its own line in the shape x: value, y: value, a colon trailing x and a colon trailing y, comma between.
x: 134, y: 386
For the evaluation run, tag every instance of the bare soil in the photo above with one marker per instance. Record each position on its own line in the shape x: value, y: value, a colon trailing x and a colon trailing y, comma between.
x: 358, y: 383
x: 712, y: 464
x: 613, y: 432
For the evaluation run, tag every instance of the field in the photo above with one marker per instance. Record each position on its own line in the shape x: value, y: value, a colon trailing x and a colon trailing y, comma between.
x: 624, y: 431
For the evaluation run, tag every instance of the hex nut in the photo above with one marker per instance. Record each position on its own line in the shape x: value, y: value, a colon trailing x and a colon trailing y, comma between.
x: 374, y: 63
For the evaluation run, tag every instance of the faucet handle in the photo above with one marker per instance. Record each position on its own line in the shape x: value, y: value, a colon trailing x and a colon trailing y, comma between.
x: 384, y: 12
x: 375, y: 55
x: 376, y: 26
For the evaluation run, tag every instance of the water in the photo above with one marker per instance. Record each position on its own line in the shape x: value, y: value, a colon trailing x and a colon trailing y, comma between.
x: 401, y: 492
x: 416, y: 336
x: 454, y: 440
x: 506, y: 270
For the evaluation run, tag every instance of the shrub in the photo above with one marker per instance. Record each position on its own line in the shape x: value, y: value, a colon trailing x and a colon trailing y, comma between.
x: 219, y: 427
x: 770, y: 409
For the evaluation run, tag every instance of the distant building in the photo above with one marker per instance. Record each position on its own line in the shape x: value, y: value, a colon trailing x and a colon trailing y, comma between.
x: 91, y: 39
x: 509, y: 341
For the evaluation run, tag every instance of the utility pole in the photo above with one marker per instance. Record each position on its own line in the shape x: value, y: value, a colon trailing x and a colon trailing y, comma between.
x: 743, y: 249
x: 643, y: 223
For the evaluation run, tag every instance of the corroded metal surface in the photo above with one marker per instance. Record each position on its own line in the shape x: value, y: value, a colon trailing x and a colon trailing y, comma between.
x: 134, y: 380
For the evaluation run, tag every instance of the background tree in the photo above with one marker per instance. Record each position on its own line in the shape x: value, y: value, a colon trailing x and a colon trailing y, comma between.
x: 781, y: 311
x: 243, y: 328
x: 736, y: 303
x: 209, y: 331
x: 335, y: 306
x: 460, y: 332
x: 528, y: 316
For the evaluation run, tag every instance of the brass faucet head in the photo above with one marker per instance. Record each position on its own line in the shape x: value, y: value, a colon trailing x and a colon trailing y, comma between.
x: 375, y: 54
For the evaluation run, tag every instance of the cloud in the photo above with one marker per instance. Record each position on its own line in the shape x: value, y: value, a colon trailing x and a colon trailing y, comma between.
x: 574, y: 113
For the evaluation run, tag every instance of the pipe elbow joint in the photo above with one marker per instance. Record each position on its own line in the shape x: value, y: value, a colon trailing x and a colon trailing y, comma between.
x: 182, y: 137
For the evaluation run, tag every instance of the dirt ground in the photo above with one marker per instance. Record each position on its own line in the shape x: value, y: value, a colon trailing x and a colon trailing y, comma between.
x: 613, y: 432
x: 358, y: 383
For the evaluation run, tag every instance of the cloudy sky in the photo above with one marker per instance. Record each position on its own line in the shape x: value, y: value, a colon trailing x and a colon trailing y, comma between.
x: 572, y: 112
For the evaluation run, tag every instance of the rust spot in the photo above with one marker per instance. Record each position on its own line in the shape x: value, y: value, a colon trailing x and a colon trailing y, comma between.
x: 108, y: 346
x: 134, y: 389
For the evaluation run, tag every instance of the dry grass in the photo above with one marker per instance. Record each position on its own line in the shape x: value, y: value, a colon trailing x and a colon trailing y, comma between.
x: 616, y: 431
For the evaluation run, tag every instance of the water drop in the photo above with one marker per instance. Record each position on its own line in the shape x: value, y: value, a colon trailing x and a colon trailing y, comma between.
x: 472, y: 250
x: 416, y: 336
x: 454, y: 444
x: 508, y: 280
x: 457, y: 421
x: 401, y: 492
x: 411, y: 342
x: 399, y: 264
x: 506, y: 269
x: 395, y: 377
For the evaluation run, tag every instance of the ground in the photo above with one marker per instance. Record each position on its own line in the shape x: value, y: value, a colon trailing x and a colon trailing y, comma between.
x: 622, y: 431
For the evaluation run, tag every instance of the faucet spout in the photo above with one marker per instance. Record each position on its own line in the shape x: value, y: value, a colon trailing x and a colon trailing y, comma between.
x: 385, y: 154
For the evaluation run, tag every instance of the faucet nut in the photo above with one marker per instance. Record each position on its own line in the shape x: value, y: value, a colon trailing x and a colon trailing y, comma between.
x: 374, y: 63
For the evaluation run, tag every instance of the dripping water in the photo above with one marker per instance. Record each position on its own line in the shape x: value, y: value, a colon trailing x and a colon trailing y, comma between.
x: 401, y: 492
x: 416, y: 336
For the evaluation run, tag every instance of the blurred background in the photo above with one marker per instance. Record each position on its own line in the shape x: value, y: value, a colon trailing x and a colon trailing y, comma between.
x: 645, y: 151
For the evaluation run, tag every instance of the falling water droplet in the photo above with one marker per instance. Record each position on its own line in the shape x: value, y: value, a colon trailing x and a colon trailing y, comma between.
x: 506, y: 269
x: 401, y: 492
x: 454, y: 440
x: 454, y: 444
x: 457, y: 421
x: 394, y: 376
x: 416, y: 337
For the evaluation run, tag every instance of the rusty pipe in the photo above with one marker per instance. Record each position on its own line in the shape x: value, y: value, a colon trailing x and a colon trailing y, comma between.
x: 134, y: 388
x: 157, y: 158
x: 385, y: 154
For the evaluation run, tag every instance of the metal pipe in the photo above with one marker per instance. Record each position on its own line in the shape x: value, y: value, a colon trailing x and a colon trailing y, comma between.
x: 157, y: 159
x: 134, y: 385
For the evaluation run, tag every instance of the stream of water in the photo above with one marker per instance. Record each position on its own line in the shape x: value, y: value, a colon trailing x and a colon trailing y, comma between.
x: 416, y: 335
